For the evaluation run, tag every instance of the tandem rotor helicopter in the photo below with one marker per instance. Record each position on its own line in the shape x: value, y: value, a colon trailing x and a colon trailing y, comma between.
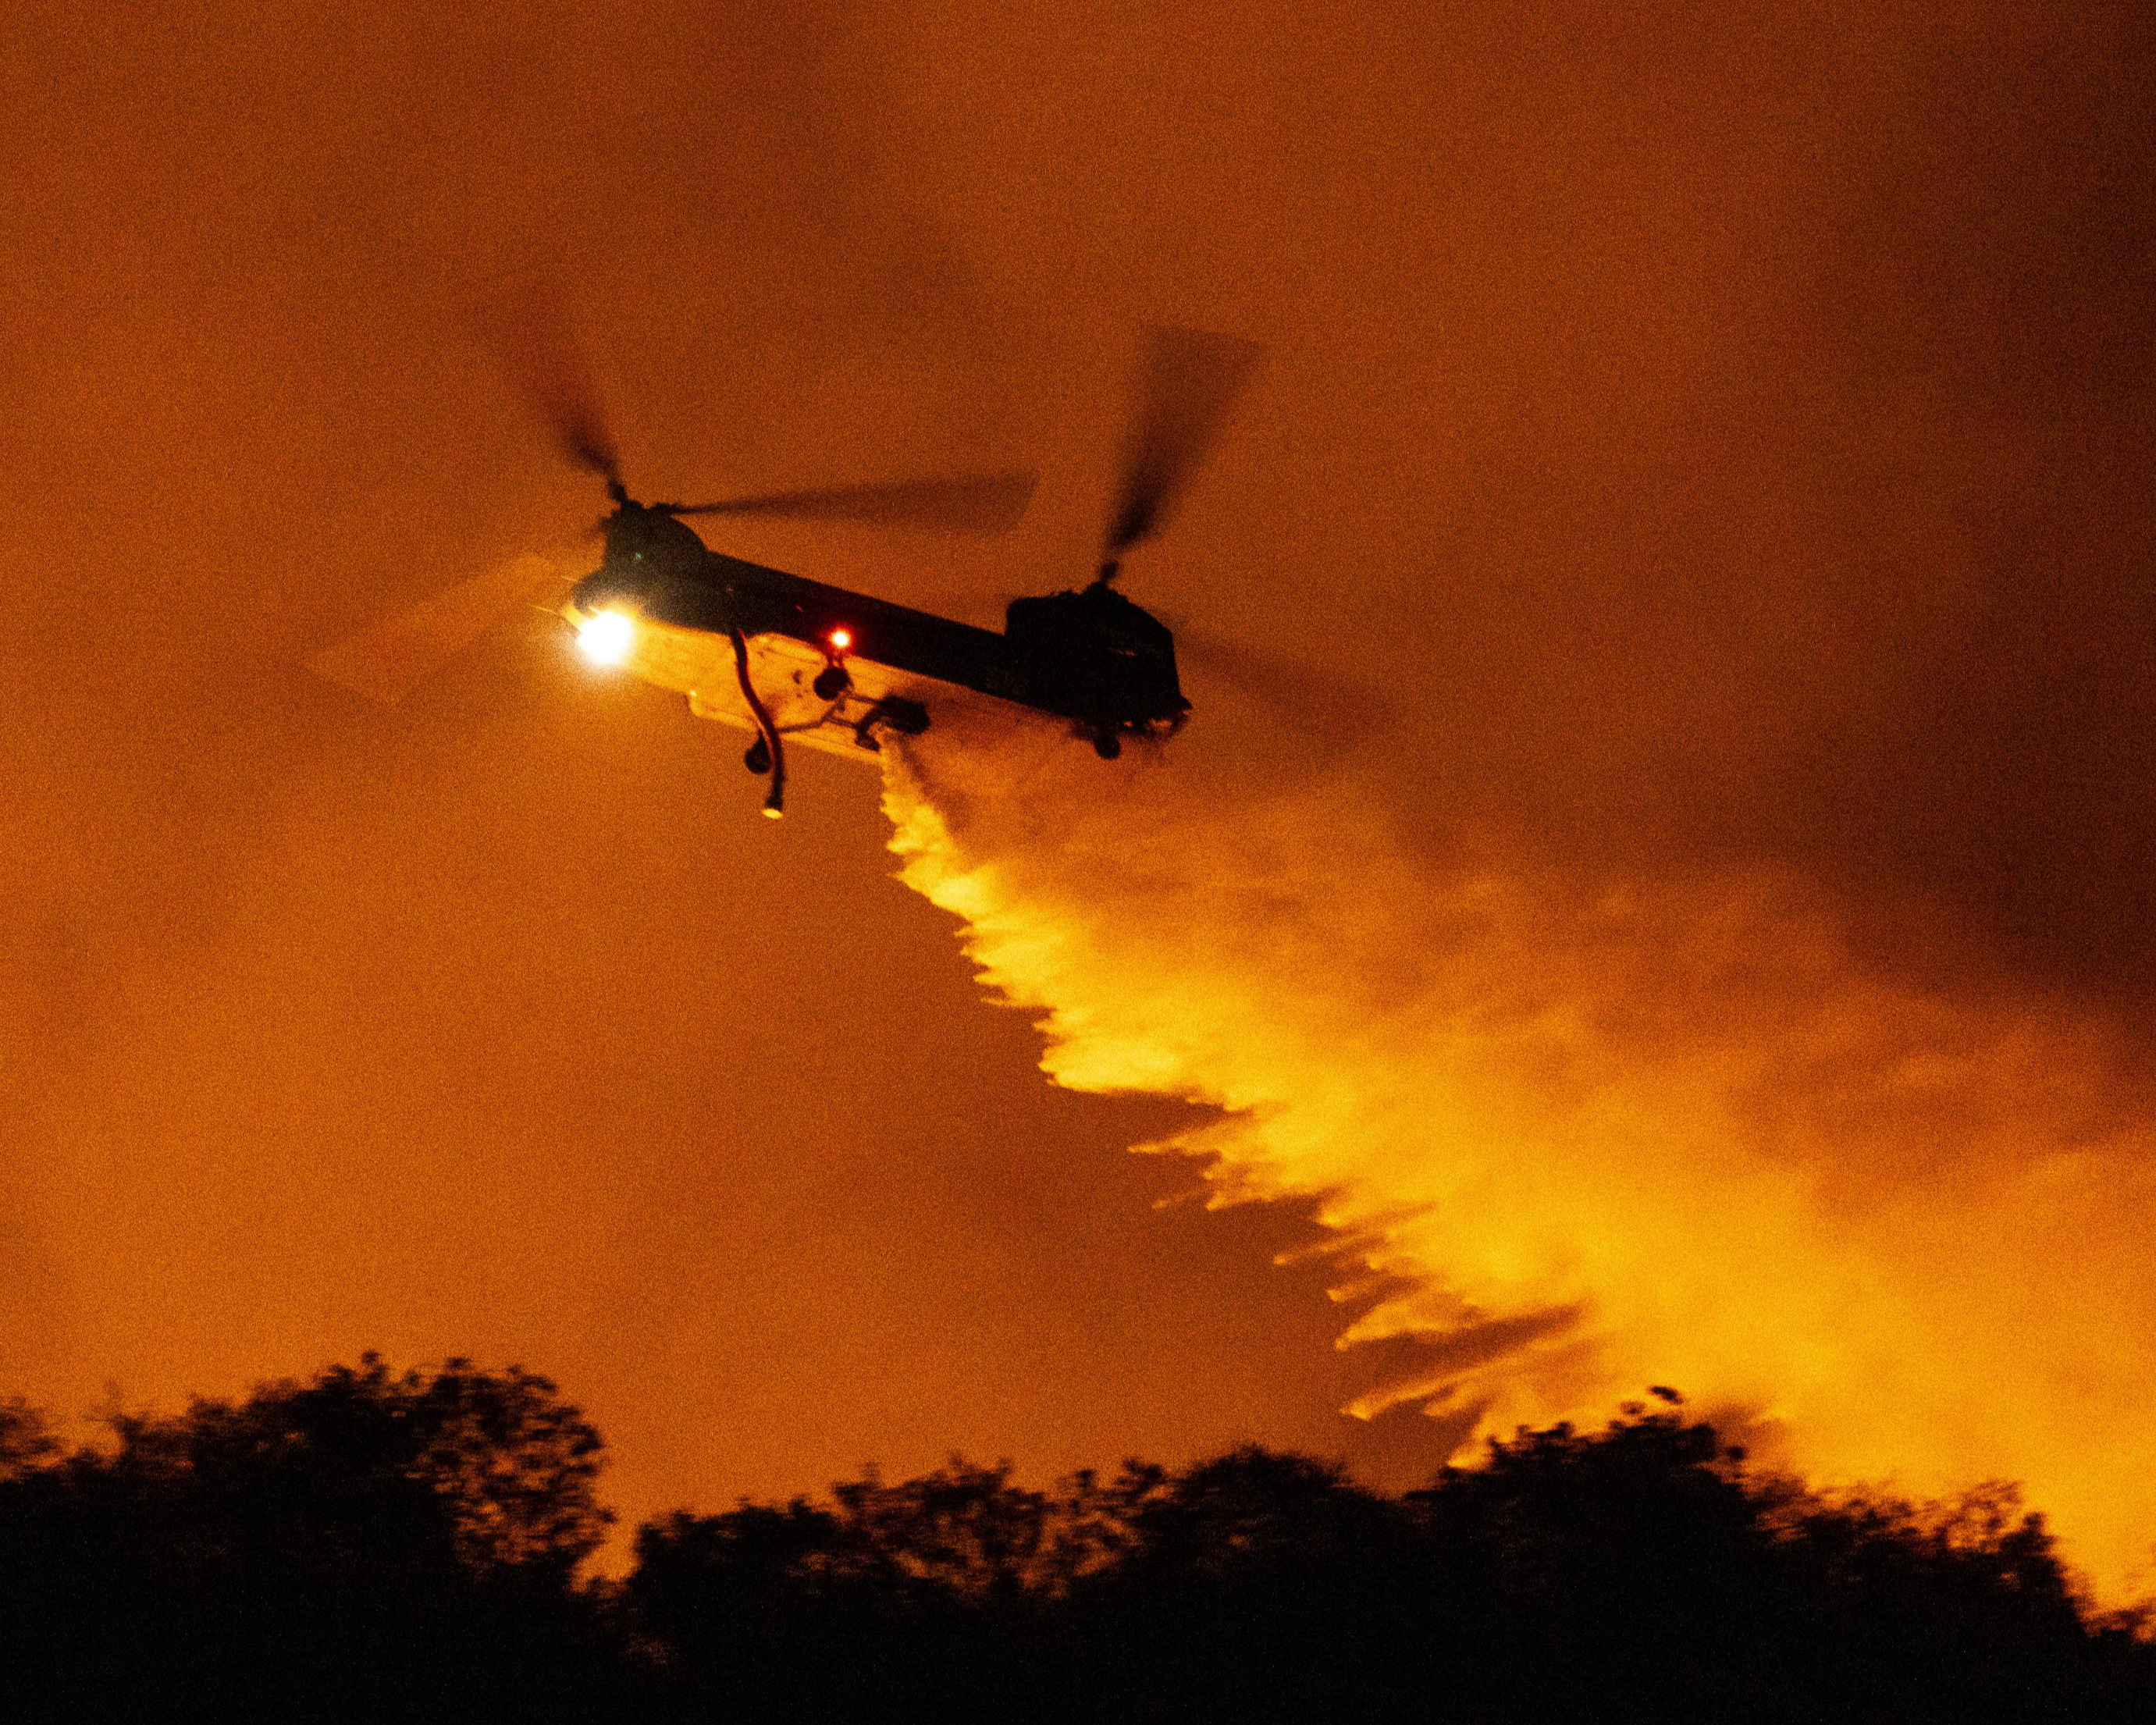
x: 795, y: 661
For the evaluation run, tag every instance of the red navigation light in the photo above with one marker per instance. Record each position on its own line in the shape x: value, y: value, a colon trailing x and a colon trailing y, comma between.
x: 840, y: 639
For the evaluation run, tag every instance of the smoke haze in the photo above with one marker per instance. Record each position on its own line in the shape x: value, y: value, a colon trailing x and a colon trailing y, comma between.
x: 1721, y: 435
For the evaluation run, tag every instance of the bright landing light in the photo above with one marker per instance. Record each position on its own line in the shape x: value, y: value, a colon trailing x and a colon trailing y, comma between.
x: 605, y: 636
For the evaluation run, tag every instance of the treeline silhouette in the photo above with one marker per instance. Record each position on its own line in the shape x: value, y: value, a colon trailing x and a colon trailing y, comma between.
x: 381, y: 1546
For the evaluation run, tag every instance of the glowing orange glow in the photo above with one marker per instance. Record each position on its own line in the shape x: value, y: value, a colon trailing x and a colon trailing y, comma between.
x: 1708, y: 442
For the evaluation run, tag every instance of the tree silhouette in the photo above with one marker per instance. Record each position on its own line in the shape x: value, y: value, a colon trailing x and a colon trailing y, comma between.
x: 1638, y: 1572
x: 363, y: 1545
x: 406, y: 1547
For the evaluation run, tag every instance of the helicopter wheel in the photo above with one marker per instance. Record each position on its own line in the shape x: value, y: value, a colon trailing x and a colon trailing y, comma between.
x: 1107, y: 745
x: 831, y: 682
x: 757, y: 758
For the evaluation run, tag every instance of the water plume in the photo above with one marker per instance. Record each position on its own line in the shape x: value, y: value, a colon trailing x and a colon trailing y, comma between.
x: 1576, y: 1132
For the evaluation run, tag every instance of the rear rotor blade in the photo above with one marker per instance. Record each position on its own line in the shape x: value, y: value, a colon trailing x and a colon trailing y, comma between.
x: 982, y: 503
x: 1190, y: 381
x: 1309, y: 698
x: 526, y: 326
x: 389, y: 658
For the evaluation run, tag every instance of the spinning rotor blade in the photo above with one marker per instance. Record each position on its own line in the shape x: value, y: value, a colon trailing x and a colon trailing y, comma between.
x: 389, y: 658
x: 1307, y: 698
x: 527, y: 327
x: 1190, y: 380
x: 985, y: 503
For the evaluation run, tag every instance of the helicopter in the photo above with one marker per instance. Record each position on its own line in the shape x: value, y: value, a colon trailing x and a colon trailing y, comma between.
x: 796, y: 661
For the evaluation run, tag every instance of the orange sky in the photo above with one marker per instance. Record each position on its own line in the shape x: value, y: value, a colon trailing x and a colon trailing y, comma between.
x: 1708, y: 445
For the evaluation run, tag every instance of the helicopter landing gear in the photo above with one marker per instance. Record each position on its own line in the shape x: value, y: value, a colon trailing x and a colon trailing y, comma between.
x: 1107, y: 745
x: 757, y: 758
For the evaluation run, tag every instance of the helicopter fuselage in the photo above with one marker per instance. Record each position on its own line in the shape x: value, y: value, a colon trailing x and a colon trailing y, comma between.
x: 836, y: 670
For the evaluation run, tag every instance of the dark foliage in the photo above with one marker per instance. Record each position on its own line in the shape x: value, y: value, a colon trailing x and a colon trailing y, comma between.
x: 1635, y: 1573
x: 376, y: 1547
x: 363, y: 1546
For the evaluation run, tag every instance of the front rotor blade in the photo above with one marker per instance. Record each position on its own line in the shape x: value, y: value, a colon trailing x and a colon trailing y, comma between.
x: 389, y: 658
x: 1190, y: 380
x: 987, y: 503
x: 526, y: 326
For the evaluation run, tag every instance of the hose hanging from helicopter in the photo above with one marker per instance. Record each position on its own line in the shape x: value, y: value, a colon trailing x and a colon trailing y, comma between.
x: 774, y: 748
